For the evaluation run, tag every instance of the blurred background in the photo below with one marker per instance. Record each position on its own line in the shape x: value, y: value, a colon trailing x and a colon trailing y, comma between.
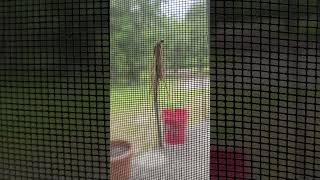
x: 136, y: 26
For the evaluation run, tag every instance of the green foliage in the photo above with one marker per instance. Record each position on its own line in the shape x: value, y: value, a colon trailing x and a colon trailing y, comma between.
x: 137, y: 25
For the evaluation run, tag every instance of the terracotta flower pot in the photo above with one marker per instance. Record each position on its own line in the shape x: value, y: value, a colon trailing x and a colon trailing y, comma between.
x: 120, y: 160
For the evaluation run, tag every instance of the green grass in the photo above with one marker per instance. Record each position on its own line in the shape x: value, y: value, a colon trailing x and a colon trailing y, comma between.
x: 31, y: 105
x: 41, y: 108
x: 204, y: 70
x: 34, y: 110
x: 124, y: 99
x: 235, y: 118
x: 128, y: 102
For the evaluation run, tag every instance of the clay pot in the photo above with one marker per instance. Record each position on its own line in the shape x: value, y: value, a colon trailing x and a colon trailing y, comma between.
x: 120, y: 160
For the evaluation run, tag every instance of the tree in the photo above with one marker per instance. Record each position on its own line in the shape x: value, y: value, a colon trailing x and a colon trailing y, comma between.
x: 197, y: 22
x: 129, y: 22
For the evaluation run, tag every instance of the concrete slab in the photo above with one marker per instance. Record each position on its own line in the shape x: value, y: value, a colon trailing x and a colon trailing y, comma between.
x: 177, y: 162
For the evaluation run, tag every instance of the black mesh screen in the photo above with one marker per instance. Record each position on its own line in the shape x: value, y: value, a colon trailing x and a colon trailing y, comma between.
x: 53, y: 96
x: 169, y: 129
x: 265, y: 89
x: 55, y: 80
x: 54, y: 89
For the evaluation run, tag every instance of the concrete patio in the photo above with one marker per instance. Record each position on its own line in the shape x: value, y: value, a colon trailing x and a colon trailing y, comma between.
x: 177, y: 162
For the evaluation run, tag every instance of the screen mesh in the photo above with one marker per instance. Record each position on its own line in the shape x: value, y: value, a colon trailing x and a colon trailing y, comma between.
x: 182, y: 102
x: 54, y: 89
x: 265, y: 89
x: 53, y: 96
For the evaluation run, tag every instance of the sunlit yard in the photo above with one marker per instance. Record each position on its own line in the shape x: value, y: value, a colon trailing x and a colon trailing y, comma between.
x: 132, y: 114
x: 40, y: 106
x: 44, y: 106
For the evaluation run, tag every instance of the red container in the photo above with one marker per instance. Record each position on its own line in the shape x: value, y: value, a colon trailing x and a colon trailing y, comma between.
x: 228, y: 162
x: 175, y: 121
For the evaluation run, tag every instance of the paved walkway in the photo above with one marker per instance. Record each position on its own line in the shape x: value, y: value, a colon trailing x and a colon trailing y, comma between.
x: 177, y: 162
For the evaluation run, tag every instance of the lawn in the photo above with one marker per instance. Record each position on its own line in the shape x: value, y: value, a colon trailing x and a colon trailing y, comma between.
x: 50, y: 118
x: 127, y: 98
x: 132, y: 114
x: 42, y: 110
x: 40, y: 105
x: 237, y: 114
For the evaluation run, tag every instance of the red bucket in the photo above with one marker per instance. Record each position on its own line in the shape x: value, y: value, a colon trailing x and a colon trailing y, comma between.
x: 228, y: 162
x: 175, y: 121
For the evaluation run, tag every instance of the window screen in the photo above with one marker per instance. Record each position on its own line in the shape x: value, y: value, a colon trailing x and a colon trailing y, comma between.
x: 166, y: 122
x: 55, y: 84
x: 53, y: 89
x: 265, y: 89
x: 61, y: 63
